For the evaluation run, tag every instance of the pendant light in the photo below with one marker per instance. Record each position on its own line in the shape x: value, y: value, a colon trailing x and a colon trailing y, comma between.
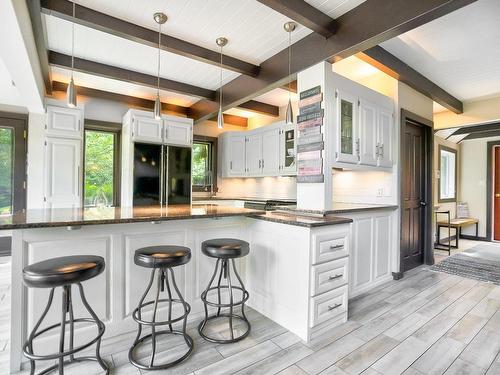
x: 221, y: 42
x: 160, y: 19
x: 71, y: 91
x: 289, y: 28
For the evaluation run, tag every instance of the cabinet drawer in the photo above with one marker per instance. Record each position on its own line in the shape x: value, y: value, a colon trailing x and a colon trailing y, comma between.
x: 327, y: 306
x: 330, y: 246
x: 328, y: 276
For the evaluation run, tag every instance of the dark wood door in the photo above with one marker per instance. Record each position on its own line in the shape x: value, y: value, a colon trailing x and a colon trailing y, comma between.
x: 496, y: 196
x: 414, y: 203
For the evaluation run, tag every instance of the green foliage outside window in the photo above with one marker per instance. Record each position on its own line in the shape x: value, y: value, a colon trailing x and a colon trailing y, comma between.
x: 99, y: 168
x: 201, y: 164
x: 6, y: 141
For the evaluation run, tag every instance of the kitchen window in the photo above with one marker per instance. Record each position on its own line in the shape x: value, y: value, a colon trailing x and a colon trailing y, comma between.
x: 101, y: 164
x: 447, y: 174
x: 204, y: 173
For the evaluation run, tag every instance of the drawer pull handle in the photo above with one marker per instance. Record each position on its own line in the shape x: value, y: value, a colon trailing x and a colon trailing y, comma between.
x: 335, y: 247
x: 330, y: 308
x: 335, y: 277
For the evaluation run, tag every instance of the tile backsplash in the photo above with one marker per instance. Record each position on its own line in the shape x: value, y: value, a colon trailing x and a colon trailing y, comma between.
x: 264, y: 187
x: 375, y: 187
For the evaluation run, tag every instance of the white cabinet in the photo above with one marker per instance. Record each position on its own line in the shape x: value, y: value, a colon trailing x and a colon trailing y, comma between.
x: 268, y: 151
x: 363, y: 127
x: 384, y: 137
x: 169, y: 130
x: 178, y: 131
x: 253, y: 154
x: 146, y: 129
x: 367, y: 132
x: 372, y: 249
x: 63, y: 175
x: 64, y: 122
x: 271, y: 153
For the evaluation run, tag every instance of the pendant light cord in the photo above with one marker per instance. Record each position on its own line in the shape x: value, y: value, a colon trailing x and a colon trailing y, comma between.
x: 220, y: 86
x: 289, y: 63
x: 73, y: 42
x: 159, y: 46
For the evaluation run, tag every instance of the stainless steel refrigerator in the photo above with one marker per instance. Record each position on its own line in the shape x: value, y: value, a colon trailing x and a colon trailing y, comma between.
x: 162, y: 175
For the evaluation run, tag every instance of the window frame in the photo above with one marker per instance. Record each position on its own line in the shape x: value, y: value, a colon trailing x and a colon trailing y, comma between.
x: 116, y: 129
x: 213, y: 162
x: 442, y: 148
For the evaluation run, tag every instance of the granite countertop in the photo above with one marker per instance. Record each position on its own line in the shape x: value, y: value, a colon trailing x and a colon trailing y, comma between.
x: 62, y: 217
x: 260, y: 199
x: 300, y: 220
x: 67, y: 217
x: 338, y: 208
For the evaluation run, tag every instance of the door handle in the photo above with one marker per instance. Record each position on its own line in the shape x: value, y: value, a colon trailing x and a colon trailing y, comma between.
x: 497, y: 195
x: 423, y: 204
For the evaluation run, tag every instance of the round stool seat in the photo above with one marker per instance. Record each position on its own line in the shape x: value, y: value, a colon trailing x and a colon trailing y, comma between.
x: 162, y: 256
x: 225, y: 248
x: 61, y: 271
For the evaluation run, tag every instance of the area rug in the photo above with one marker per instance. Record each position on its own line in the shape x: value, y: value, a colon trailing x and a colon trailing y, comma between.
x: 471, y: 265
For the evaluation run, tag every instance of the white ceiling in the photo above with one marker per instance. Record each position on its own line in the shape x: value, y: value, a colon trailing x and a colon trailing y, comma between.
x: 255, y: 33
x: 459, y: 52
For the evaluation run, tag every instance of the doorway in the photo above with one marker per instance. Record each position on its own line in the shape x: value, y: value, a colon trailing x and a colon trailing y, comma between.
x: 13, y: 135
x: 416, y: 191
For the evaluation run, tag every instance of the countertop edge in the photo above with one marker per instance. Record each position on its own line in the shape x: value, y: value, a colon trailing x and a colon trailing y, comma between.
x: 338, y: 221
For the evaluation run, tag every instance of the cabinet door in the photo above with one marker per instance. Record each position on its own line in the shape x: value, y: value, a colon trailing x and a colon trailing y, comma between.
x: 367, y: 133
x: 271, y: 152
x: 64, y: 122
x: 147, y: 129
x: 178, y: 132
x: 347, y: 150
x: 288, y: 151
x: 63, y: 173
x: 384, y: 137
x: 237, y: 155
x: 254, y: 154
x: 382, y: 251
x: 361, y: 254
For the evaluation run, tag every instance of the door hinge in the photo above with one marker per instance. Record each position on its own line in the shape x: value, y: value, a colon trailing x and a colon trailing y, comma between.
x: 25, y: 134
x: 24, y: 185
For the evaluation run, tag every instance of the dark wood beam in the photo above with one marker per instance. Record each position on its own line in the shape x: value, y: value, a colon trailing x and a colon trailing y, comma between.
x: 364, y: 27
x: 391, y: 65
x: 261, y: 108
x: 479, y: 135
x: 40, y: 36
x: 136, y: 102
x: 113, y: 72
x: 109, y: 71
x: 115, y: 26
x: 305, y: 14
x: 478, y: 128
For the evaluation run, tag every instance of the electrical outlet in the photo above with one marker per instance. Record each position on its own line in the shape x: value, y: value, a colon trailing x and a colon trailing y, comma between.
x: 380, y: 192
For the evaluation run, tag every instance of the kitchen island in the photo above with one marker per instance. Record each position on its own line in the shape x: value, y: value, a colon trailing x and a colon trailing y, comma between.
x: 296, y: 272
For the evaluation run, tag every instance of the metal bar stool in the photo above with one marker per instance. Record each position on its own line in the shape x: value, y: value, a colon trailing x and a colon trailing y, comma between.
x: 225, y: 250
x: 64, y: 272
x: 163, y: 259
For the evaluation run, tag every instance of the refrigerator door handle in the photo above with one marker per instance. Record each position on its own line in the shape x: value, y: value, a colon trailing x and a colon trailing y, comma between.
x: 161, y: 175
x: 165, y: 172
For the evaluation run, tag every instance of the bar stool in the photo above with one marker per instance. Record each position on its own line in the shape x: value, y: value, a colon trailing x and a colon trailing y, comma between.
x: 225, y: 250
x: 64, y: 272
x: 163, y: 259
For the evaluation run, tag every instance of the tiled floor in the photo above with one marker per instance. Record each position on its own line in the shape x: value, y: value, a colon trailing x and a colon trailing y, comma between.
x: 439, y: 255
x: 426, y: 323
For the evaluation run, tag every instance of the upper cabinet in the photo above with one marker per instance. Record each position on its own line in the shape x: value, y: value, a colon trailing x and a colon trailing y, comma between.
x: 363, y: 127
x: 64, y: 122
x: 266, y: 151
x: 168, y: 130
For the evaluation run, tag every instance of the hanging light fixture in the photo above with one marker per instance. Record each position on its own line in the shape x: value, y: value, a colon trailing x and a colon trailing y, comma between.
x: 289, y: 28
x: 71, y: 90
x: 221, y: 42
x: 160, y: 19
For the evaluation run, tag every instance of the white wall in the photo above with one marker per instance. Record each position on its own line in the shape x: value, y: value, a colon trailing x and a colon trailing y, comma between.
x: 451, y: 206
x: 473, y: 158
x: 35, y: 157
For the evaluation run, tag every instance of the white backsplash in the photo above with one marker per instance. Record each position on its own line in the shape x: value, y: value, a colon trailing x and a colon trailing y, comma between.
x: 374, y: 187
x: 264, y: 187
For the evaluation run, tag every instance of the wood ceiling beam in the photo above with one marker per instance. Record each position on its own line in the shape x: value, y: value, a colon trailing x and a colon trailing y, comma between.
x: 137, y: 102
x: 115, y: 26
x: 305, y: 14
x: 394, y: 67
x: 125, y: 75
x: 40, y: 36
x: 478, y: 128
x: 479, y: 135
x: 364, y: 27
